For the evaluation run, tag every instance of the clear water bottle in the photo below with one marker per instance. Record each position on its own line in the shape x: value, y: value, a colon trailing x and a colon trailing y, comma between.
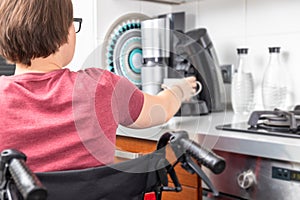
x: 274, y: 85
x: 242, y: 88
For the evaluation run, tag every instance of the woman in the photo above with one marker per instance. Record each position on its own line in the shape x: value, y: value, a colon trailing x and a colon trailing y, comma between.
x: 60, y: 119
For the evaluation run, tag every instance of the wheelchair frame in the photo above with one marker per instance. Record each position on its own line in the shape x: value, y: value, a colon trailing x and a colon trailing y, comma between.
x: 18, y: 182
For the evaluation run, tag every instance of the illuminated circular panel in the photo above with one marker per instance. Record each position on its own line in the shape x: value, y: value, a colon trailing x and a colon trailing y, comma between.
x: 128, y: 60
x: 123, y: 49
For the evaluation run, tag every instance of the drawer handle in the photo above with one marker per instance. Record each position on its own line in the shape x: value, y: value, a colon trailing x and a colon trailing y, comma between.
x: 127, y: 154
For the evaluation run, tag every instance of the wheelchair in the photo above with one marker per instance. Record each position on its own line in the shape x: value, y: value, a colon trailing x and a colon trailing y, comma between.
x: 142, y: 178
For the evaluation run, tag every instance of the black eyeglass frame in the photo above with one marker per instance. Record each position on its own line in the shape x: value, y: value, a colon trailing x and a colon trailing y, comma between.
x: 79, y: 20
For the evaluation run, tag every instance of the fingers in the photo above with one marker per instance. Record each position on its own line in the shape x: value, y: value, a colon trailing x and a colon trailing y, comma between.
x: 192, y: 78
x: 192, y: 81
x: 196, y: 86
x: 188, y: 86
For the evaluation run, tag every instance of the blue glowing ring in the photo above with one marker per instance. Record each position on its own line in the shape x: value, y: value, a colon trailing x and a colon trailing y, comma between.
x: 132, y: 62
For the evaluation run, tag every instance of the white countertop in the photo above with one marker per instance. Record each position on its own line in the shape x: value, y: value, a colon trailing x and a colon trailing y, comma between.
x: 203, y: 130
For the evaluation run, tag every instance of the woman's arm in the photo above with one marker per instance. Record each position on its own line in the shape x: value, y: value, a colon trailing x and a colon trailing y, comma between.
x: 158, y: 109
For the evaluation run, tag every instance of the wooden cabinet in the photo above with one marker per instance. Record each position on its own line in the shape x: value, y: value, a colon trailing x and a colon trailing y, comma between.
x: 191, y: 184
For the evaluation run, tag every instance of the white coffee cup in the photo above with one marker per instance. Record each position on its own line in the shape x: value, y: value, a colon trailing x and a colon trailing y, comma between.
x: 169, y: 82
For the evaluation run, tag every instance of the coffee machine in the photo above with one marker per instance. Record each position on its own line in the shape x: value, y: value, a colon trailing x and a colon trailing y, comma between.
x: 170, y: 52
x: 156, y: 53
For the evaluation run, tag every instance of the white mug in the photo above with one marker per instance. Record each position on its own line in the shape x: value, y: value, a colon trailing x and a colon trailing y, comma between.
x: 169, y: 82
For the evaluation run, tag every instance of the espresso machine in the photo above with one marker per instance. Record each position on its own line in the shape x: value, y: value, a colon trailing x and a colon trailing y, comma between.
x: 156, y: 54
x: 170, y: 52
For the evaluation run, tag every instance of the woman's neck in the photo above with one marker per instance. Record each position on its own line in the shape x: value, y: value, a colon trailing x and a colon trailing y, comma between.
x: 39, y: 65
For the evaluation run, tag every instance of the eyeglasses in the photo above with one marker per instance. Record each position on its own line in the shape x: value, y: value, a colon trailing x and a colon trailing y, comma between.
x: 77, y: 24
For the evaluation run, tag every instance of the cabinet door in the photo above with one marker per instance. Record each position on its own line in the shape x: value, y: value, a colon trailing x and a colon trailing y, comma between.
x: 191, y: 184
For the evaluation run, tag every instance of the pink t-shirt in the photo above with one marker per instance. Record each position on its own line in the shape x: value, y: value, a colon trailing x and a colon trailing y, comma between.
x: 66, y: 120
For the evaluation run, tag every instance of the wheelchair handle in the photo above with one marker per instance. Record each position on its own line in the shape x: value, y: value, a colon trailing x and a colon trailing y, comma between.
x: 26, y: 181
x: 204, y: 156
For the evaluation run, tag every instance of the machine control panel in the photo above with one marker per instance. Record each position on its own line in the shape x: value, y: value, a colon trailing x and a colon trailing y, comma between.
x: 285, y: 174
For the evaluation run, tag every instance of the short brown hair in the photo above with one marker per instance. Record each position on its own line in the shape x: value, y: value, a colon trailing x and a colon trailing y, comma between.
x: 33, y: 28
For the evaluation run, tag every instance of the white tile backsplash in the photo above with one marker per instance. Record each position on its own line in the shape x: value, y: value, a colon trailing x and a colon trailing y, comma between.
x: 256, y: 24
x: 98, y: 16
x: 108, y: 11
x: 267, y: 17
x: 222, y: 18
x: 85, y: 39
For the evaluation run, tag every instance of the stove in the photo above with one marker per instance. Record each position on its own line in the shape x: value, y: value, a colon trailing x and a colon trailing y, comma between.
x: 253, y: 177
x: 277, y: 123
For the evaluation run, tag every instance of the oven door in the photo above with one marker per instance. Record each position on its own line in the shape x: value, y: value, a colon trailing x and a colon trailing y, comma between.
x: 249, y: 177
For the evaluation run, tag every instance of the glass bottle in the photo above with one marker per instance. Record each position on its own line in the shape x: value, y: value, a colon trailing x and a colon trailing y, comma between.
x: 242, y: 88
x: 274, y: 84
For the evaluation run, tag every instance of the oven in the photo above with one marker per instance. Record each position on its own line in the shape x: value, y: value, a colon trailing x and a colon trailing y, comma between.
x: 262, y: 177
x: 249, y: 177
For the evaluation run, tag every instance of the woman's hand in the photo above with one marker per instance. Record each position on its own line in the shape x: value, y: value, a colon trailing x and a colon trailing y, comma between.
x: 192, y: 82
x: 183, y: 88
x: 158, y: 109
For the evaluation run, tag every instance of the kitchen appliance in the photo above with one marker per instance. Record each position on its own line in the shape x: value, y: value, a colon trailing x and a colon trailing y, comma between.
x: 167, y: 52
x: 262, y: 177
x: 156, y: 52
x: 197, y: 57
x: 176, y: 24
x: 255, y: 178
x: 190, y: 54
x: 277, y: 123
x: 122, y: 49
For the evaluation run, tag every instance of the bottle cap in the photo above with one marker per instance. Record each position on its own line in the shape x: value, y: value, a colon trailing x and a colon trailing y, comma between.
x: 274, y: 49
x: 242, y: 50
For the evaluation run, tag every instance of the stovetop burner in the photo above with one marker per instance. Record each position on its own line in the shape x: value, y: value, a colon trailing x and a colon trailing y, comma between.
x: 276, y: 122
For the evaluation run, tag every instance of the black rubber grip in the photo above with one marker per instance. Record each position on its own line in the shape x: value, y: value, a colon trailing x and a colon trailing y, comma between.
x: 26, y: 181
x: 207, y: 158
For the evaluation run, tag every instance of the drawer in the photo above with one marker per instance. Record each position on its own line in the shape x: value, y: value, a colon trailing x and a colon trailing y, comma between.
x: 135, y: 145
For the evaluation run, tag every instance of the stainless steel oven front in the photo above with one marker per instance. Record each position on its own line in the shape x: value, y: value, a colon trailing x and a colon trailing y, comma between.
x: 250, y: 177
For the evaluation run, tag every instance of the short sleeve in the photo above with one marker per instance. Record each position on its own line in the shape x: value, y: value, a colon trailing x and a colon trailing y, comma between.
x: 128, y: 100
x: 120, y: 98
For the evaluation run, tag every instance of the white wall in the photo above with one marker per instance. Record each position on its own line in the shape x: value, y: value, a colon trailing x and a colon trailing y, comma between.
x: 98, y: 16
x: 256, y: 24
x: 86, y: 37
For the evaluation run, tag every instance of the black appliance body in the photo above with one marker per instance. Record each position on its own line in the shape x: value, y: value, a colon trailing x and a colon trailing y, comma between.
x: 196, y: 56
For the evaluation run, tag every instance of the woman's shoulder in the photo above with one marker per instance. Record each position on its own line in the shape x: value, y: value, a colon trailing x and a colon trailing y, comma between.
x: 95, y: 71
x: 98, y: 74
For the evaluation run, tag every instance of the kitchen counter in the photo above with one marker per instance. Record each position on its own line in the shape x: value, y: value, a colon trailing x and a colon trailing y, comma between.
x: 203, y: 130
